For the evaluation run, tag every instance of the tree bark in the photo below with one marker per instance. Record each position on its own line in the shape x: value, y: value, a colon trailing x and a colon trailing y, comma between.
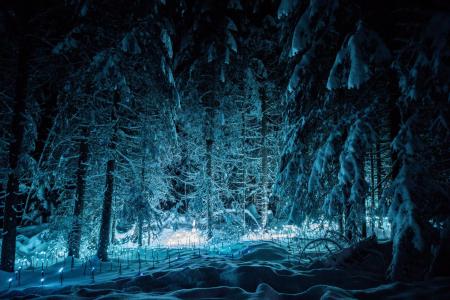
x: 46, y: 121
x: 113, y: 231
x: 264, y: 203
x: 394, y: 127
x: 8, y: 254
x: 363, y: 218
x: 209, y: 103
x: 379, y: 178
x: 105, y: 226
x: 75, y: 234
x: 44, y: 129
x: 362, y: 212
x: 348, y: 223
x: 372, y: 191
x: 394, y: 120
x: 142, y: 205
x: 340, y: 219
x: 209, y: 145
x: 244, y: 171
x: 140, y: 229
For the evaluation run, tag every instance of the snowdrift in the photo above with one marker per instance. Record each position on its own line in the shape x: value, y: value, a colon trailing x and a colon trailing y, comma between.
x: 261, y: 270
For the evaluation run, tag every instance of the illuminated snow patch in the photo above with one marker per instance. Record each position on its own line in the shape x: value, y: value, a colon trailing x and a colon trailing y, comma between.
x: 187, y: 237
x: 285, y: 232
x: 183, y: 238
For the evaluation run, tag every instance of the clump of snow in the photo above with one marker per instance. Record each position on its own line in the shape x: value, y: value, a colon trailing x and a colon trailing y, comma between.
x: 130, y: 44
x: 212, y: 53
x: 227, y: 56
x: 319, y: 15
x: 231, y: 25
x: 300, y: 70
x: 235, y: 4
x: 167, y: 42
x: 286, y: 8
x: 231, y: 41
x: 360, y: 55
x: 167, y: 71
x: 429, y: 56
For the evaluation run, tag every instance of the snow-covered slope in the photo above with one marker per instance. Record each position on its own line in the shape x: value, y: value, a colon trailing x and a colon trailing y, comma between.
x: 262, y: 270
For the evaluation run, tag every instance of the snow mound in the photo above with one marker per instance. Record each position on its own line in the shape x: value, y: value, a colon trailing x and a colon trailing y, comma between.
x: 250, y: 271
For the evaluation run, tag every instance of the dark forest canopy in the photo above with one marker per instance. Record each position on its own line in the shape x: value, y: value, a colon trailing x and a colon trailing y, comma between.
x: 121, y: 116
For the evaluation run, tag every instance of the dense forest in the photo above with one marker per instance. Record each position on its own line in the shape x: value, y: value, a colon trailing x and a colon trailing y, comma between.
x: 195, y: 124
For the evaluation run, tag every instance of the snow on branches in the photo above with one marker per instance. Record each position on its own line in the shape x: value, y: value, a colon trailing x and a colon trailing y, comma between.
x: 360, y: 55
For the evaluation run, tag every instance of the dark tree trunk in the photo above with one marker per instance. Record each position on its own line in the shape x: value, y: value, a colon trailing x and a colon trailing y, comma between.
x: 75, y: 234
x: 372, y: 191
x: 113, y: 229
x: 362, y: 212
x: 348, y: 207
x: 340, y: 219
x: 264, y: 168
x: 8, y: 254
x: 2, y: 203
x: 209, y: 103
x: 48, y: 107
x: 105, y: 226
x: 209, y: 145
x: 394, y: 127
x: 379, y: 179
x: 244, y: 171
x: 142, y: 199
x: 140, y: 229
x: 45, y: 124
x: 363, y: 219
x: 394, y: 120
x: 348, y: 224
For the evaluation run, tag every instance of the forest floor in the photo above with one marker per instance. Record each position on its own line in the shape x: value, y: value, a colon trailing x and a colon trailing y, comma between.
x: 250, y: 270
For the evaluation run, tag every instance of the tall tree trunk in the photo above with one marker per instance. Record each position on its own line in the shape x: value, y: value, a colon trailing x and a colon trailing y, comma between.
x: 113, y: 229
x: 140, y: 222
x: 372, y: 191
x: 75, y: 234
x: 354, y: 212
x: 244, y: 172
x: 362, y: 212
x: 8, y: 254
x: 2, y: 203
x: 149, y: 236
x: 47, y: 118
x: 394, y: 120
x: 340, y: 219
x: 209, y: 103
x: 105, y: 226
x: 394, y: 126
x: 363, y: 218
x: 348, y: 223
x: 46, y: 121
x: 348, y: 209
x: 379, y: 179
x: 264, y: 203
x: 209, y: 145
x: 140, y: 229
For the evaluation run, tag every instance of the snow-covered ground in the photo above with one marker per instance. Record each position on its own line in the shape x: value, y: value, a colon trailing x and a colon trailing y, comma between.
x: 246, y: 270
